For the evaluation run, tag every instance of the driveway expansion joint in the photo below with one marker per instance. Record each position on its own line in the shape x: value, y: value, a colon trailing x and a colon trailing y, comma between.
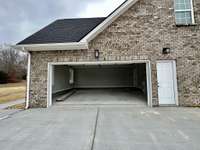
x: 95, y: 128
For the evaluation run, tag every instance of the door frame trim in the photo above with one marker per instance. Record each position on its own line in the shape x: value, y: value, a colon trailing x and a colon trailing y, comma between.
x: 148, y: 75
x: 174, y: 80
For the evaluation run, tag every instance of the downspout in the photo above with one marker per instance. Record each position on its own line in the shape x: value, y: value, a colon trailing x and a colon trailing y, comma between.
x: 28, y: 81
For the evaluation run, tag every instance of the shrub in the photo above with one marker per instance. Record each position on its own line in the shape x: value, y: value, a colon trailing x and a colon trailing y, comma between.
x: 3, y: 77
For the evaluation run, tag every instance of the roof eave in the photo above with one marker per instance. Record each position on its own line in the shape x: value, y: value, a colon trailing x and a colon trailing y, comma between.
x: 53, y: 46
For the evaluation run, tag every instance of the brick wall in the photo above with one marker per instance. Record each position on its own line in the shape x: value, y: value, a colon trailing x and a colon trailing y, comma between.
x: 139, y: 34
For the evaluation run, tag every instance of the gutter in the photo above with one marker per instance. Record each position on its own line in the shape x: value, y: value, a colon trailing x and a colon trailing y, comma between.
x: 53, y: 46
x: 28, y: 81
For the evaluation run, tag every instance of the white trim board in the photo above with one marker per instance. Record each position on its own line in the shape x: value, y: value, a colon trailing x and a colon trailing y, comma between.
x: 192, y: 9
x: 99, y: 62
x: 149, y: 84
x: 148, y: 75
x: 54, y: 46
x: 28, y: 81
x: 101, y: 27
x: 49, y: 86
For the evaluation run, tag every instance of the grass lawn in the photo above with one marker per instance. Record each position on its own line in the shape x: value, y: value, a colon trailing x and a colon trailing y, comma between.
x: 12, y: 91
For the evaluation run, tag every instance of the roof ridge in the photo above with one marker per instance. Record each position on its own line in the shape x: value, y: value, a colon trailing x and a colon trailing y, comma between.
x: 81, y: 18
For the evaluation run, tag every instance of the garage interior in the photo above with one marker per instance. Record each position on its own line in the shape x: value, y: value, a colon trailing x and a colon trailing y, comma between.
x: 99, y: 84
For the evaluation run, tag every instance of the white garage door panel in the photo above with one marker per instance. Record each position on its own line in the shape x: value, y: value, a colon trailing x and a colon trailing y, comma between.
x: 166, y: 89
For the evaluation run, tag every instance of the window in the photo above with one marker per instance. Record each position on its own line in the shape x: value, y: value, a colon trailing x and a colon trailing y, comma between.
x: 184, y: 12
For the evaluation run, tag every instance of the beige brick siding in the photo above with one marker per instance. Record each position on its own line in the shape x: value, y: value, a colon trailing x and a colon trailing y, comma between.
x: 139, y: 34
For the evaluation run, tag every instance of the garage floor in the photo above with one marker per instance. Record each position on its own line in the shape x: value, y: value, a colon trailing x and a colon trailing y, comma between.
x: 102, y: 128
x: 122, y: 96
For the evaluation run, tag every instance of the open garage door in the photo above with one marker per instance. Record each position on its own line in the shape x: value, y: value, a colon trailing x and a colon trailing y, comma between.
x: 99, y: 84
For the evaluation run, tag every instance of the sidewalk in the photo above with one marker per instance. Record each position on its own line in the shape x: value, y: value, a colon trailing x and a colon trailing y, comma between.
x: 5, y: 105
x: 4, y: 114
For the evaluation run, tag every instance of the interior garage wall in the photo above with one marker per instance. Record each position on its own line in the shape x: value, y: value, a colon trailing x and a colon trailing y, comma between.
x: 103, y: 77
x: 60, y: 78
x: 140, y: 80
x: 99, y: 77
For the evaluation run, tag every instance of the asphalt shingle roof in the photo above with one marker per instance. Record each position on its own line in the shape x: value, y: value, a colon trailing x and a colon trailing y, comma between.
x: 63, y: 31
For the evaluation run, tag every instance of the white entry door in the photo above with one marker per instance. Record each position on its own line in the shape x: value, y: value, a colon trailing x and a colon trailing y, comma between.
x: 166, y: 75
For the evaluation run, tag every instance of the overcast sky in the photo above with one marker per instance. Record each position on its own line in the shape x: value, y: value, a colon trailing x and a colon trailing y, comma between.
x: 21, y: 18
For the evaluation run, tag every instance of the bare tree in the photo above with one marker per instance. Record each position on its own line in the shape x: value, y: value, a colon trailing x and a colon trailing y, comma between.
x: 12, y: 61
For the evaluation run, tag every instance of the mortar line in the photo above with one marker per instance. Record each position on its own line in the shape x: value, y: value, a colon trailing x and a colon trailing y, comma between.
x: 95, y: 129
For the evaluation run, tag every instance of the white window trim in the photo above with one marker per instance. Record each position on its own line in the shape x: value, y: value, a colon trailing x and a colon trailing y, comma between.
x: 192, y: 11
x: 187, y: 10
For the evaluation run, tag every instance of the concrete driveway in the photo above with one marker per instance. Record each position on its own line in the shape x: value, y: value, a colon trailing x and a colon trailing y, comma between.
x: 119, y: 96
x: 102, y: 128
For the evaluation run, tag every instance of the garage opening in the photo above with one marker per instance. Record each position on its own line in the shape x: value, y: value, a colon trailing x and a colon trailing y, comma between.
x: 100, y: 84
